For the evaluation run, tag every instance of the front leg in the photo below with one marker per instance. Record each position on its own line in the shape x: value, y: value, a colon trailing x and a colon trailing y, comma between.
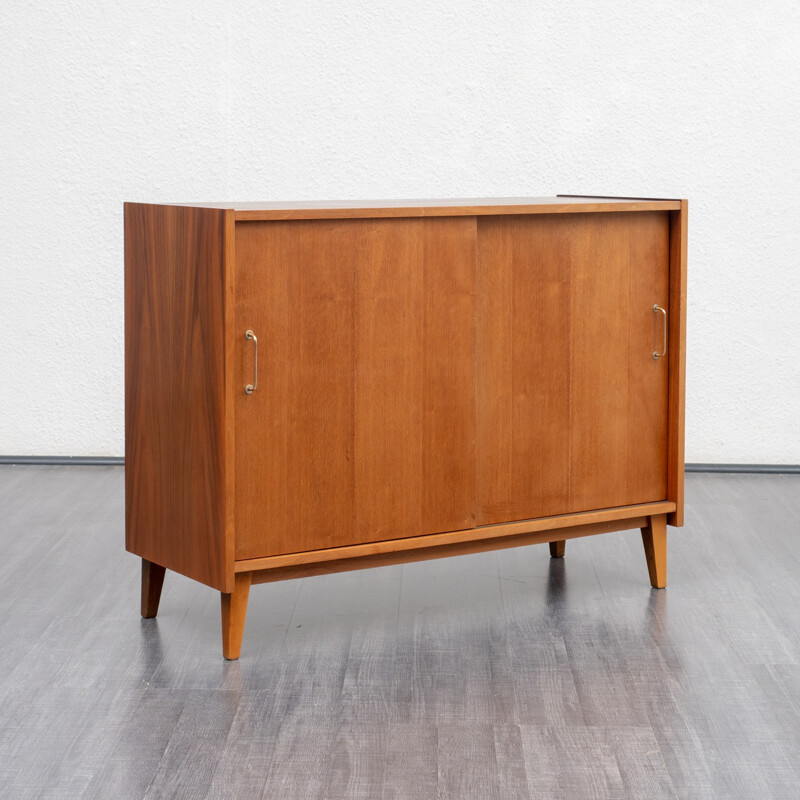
x: 654, y: 537
x: 234, y: 612
x: 152, y: 583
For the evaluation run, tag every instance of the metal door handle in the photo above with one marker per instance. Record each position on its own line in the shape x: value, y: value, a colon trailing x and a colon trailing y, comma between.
x: 251, y: 387
x: 656, y: 309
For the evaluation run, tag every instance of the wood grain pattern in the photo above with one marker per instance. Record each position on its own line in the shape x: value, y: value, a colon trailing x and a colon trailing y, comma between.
x: 175, y: 390
x: 294, y: 456
x: 559, y: 523
x: 571, y: 404
x: 362, y: 426
x: 467, y: 759
x: 646, y: 404
x: 678, y: 242
x: 654, y: 538
x: 411, y: 768
x: 618, y: 392
x: 152, y: 583
x: 597, y: 762
x: 415, y: 377
x: 598, y: 358
x: 524, y: 269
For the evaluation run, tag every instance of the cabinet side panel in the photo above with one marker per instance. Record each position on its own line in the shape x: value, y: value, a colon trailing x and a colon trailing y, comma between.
x: 678, y: 233
x: 174, y: 390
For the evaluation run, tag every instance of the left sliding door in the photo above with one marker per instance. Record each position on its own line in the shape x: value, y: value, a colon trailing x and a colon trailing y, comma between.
x: 362, y: 427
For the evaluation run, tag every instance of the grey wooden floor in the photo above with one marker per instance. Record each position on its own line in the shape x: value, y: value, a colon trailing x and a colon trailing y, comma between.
x: 499, y: 675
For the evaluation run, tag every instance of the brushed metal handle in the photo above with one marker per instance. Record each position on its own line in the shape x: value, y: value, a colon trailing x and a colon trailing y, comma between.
x: 656, y: 309
x: 251, y: 387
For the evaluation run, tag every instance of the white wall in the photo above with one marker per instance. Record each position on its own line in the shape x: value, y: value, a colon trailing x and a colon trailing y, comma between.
x: 109, y: 101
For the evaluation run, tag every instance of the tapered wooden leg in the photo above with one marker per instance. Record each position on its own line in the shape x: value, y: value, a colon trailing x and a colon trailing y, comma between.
x: 557, y: 548
x: 152, y: 582
x: 234, y: 611
x: 654, y: 537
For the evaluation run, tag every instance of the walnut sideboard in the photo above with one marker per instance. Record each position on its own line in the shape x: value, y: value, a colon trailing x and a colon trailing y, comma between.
x: 314, y: 387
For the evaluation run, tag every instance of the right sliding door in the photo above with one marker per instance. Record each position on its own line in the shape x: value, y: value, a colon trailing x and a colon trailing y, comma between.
x: 572, y: 405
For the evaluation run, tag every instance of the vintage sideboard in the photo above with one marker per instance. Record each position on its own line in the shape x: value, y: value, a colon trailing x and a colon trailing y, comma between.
x: 315, y: 387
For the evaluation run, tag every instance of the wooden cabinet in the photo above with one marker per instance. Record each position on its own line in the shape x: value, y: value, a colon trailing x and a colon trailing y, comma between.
x: 423, y: 379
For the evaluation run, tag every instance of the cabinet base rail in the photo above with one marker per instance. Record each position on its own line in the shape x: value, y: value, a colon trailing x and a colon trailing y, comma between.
x: 653, y: 525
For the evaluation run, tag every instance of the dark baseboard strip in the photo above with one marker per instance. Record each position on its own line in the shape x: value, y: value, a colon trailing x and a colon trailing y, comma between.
x: 60, y: 461
x: 770, y: 469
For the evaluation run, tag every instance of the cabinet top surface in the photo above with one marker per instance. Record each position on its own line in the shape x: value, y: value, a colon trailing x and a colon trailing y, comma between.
x: 435, y: 207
